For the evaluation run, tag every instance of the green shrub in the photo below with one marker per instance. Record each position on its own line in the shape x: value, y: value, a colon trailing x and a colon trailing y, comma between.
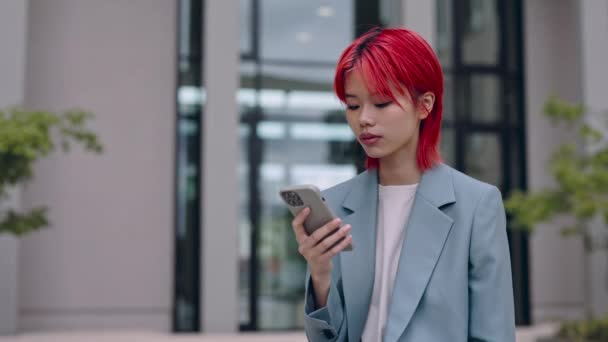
x: 26, y: 136
x: 588, y: 330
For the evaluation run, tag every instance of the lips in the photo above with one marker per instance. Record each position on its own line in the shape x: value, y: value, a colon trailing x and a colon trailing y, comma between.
x: 368, y: 138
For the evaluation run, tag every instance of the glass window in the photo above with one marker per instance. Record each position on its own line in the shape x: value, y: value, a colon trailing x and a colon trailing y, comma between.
x: 246, y: 27
x: 190, y: 103
x: 480, y: 34
x: 311, y: 31
x: 293, y: 130
x: 445, y: 42
x: 484, y: 98
x: 391, y: 13
x: 305, y: 139
x: 483, y: 157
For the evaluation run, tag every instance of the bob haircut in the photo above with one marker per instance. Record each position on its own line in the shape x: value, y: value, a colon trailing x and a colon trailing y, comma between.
x: 401, y: 58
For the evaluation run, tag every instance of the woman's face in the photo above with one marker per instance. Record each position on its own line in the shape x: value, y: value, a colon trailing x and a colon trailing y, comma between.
x: 385, y: 129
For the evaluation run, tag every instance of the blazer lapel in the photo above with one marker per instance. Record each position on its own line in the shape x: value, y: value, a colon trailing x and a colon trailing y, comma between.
x: 358, y: 266
x: 427, y: 230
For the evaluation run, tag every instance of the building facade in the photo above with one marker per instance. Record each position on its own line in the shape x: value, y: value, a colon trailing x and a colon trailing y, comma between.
x: 207, y: 107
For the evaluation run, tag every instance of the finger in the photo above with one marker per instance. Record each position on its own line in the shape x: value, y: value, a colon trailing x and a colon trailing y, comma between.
x: 330, y: 241
x: 298, y: 224
x: 339, y: 247
x: 322, y: 232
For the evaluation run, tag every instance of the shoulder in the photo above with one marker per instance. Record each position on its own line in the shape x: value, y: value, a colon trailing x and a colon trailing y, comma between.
x: 466, y: 186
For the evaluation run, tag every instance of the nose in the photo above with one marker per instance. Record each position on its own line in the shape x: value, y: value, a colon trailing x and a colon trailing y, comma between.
x: 367, y: 117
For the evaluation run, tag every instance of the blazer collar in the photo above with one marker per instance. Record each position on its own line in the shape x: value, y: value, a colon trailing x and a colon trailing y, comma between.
x: 435, y: 186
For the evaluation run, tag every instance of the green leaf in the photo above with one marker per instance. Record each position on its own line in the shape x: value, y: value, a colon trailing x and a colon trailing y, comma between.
x: 27, y: 136
x: 559, y: 110
x: 590, y: 133
x: 22, y: 223
x: 571, y: 230
x: 581, y: 178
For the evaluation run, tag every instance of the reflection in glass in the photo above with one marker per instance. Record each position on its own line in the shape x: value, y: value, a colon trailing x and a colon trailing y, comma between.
x: 244, y: 229
x: 246, y: 27
x: 448, y: 146
x: 444, y: 33
x: 483, y: 158
x: 298, y: 30
x: 304, y: 139
x: 485, y: 98
x: 282, y: 269
x: 293, y: 130
x: 480, y: 36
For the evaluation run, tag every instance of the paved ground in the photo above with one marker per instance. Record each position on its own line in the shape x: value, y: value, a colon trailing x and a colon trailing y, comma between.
x: 523, y: 335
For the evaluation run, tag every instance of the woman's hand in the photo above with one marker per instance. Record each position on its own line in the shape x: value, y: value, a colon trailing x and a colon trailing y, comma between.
x: 319, y: 248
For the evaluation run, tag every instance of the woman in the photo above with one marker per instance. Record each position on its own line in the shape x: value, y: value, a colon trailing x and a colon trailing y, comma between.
x: 431, y: 258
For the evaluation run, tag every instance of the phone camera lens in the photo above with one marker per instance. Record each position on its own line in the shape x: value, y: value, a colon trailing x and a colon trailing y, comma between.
x: 292, y: 199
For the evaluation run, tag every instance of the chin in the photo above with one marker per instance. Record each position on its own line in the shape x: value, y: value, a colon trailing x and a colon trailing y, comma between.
x: 374, y: 153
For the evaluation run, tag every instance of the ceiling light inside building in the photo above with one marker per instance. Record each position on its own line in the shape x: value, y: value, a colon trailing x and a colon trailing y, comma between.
x: 303, y: 37
x: 325, y: 11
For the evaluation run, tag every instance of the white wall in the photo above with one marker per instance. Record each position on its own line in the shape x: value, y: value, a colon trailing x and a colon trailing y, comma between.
x: 106, y: 262
x: 552, y: 65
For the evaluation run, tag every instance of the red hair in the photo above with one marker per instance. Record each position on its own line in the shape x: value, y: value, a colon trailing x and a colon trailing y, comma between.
x: 402, y: 58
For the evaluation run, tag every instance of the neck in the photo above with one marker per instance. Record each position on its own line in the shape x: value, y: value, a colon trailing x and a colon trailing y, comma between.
x: 401, y: 169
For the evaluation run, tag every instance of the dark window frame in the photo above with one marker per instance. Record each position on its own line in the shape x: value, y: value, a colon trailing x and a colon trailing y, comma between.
x: 188, y: 153
x: 504, y: 129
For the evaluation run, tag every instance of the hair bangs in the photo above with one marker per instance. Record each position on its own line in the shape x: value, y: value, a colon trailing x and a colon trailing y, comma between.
x: 398, y: 60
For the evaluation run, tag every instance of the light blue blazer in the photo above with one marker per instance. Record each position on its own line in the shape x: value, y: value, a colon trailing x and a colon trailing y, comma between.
x: 454, y: 276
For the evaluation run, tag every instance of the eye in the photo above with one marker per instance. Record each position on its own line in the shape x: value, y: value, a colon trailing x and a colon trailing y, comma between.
x: 384, y: 104
x: 352, y: 107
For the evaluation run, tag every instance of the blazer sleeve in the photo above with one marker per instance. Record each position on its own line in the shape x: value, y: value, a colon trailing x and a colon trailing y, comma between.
x: 491, y: 307
x: 329, y: 322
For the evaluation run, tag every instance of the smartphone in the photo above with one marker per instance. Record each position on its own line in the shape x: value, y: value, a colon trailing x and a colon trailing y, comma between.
x: 298, y: 197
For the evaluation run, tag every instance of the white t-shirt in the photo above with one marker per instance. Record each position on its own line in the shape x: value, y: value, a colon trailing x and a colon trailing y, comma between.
x: 394, y: 207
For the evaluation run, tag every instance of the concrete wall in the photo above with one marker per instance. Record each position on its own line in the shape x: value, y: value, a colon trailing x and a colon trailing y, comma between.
x: 13, y: 34
x: 421, y: 16
x: 594, y: 54
x: 219, y: 240
x: 106, y: 262
x: 552, y: 65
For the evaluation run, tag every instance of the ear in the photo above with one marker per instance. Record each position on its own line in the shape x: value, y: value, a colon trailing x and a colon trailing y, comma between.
x: 426, y: 102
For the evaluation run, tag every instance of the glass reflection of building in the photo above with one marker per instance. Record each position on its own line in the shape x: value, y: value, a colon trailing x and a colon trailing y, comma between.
x: 291, y: 124
x: 292, y: 129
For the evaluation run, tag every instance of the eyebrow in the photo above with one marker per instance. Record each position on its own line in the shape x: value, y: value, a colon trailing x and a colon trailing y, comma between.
x: 350, y: 95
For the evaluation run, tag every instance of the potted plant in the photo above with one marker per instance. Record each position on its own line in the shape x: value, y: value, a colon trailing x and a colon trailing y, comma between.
x: 580, y: 191
x: 26, y: 136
